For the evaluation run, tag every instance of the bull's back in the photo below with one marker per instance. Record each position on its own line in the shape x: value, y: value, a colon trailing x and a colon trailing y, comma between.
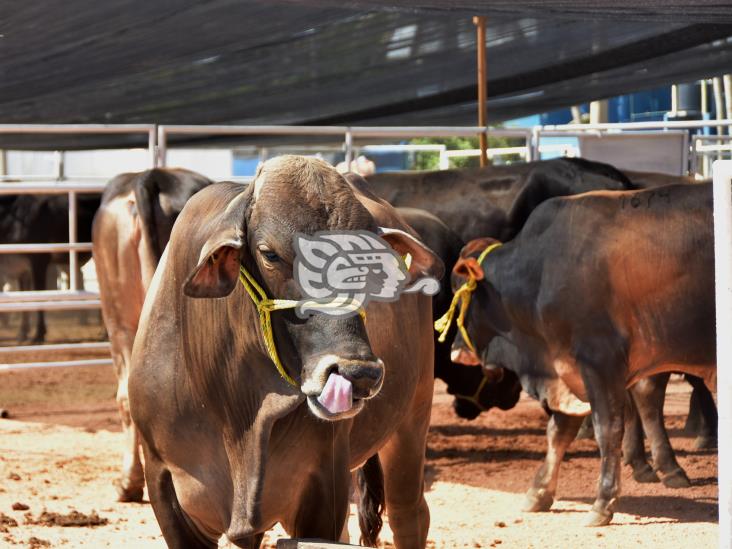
x: 638, y: 263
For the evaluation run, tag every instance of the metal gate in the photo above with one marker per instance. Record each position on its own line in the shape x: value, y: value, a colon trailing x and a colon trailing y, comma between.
x: 73, y: 298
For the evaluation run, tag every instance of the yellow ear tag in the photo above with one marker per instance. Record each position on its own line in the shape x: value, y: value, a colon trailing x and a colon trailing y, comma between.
x: 408, y: 260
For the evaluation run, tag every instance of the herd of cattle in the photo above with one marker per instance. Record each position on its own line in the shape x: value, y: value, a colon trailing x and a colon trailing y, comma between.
x: 581, y: 284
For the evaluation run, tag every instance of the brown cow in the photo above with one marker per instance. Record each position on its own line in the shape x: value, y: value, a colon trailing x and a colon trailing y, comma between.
x: 229, y: 446
x: 131, y: 229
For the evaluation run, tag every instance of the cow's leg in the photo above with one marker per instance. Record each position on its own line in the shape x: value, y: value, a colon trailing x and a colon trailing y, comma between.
x: 586, y: 431
x: 649, y: 395
x: 130, y: 485
x: 561, y: 430
x: 330, y: 487
x: 703, y: 419
x: 39, y: 267
x: 634, y: 450
x: 604, y: 384
x: 402, y: 461
x: 178, y: 531
x: 26, y: 283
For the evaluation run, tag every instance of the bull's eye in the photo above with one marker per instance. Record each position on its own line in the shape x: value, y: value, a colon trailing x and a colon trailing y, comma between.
x: 270, y: 256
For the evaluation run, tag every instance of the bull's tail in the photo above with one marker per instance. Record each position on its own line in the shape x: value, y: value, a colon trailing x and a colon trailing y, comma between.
x: 371, y: 502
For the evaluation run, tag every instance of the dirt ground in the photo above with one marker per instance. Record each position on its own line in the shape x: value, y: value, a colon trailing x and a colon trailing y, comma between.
x: 59, y: 452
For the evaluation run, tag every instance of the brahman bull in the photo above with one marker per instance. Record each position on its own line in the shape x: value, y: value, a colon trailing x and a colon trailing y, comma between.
x: 596, y: 293
x: 231, y: 447
x: 130, y: 232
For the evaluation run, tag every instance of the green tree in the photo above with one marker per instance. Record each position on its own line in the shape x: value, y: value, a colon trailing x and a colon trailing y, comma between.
x: 428, y: 160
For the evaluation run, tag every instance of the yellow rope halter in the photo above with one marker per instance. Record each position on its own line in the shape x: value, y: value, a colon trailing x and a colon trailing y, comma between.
x: 264, y: 307
x: 462, y: 296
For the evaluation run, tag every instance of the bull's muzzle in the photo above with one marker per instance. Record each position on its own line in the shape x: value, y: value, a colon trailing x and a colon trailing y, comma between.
x: 337, y: 386
x: 464, y: 356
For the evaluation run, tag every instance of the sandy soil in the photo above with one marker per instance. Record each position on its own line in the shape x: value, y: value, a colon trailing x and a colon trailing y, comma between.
x: 60, y: 451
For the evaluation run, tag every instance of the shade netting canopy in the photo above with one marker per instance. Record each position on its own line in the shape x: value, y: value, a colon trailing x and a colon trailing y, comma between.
x: 363, y: 62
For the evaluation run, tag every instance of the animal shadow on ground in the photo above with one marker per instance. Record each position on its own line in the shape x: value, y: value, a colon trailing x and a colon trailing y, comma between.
x: 482, y: 431
x: 675, y: 508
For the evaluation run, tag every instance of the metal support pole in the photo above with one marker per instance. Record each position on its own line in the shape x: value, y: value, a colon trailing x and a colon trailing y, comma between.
x: 348, y: 147
x: 482, y: 88
x: 674, y: 99
x: 727, y: 81
x: 718, y: 106
x: 722, y: 171
x: 73, y: 257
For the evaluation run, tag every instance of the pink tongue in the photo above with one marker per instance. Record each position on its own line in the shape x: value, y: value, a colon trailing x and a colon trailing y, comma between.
x: 337, y: 395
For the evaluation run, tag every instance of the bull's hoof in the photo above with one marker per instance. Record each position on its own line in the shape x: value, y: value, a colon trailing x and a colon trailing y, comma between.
x: 645, y: 473
x: 676, y: 479
x: 599, y: 518
x: 704, y: 442
x: 538, y: 501
x: 129, y: 494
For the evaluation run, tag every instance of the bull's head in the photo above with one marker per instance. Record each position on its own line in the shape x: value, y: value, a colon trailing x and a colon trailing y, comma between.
x: 484, y: 319
x: 329, y: 357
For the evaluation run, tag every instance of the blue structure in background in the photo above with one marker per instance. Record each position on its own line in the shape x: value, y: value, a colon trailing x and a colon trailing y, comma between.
x: 648, y: 105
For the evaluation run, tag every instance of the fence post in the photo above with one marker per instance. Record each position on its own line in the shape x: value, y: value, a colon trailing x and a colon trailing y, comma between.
x: 73, y: 257
x: 152, y: 146
x: 535, y: 138
x: 162, y: 148
x: 59, y: 160
x: 348, y: 147
x: 722, y: 170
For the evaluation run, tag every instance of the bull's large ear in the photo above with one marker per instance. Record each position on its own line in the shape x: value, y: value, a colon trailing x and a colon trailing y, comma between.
x: 218, y: 268
x: 424, y: 262
x: 217, y: 271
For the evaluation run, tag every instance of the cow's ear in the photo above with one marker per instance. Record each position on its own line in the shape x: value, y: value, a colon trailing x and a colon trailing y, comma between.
x: 424, y: 262
x: 217, y: 270
x: 468, y: 267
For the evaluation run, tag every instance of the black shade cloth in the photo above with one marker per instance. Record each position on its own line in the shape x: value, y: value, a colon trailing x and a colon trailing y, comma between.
x: 309, y: 62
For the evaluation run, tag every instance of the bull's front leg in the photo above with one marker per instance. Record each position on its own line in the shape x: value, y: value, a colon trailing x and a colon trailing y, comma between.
x: 329, y: 487
x: 560, y: 432
x: 607, y: 395
x: 402, y: 460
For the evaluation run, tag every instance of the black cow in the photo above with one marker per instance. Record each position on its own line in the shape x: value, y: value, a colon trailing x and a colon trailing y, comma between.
x: 475, y: 390
x: 494, y: 201
x: 35, y: 219
x: 596, y: 293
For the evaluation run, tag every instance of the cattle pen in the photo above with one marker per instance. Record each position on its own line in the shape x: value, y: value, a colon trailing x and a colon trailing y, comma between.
x: 161, y: 138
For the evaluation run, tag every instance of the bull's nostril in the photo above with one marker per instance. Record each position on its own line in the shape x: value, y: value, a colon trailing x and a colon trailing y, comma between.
x: 368, y: 373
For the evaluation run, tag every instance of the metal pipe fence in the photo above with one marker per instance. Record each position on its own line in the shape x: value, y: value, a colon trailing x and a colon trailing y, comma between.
x: 74, y: 298
x: 158, y: 138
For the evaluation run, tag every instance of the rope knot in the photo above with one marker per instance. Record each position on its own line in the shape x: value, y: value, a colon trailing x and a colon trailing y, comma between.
x: 462, y: 299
